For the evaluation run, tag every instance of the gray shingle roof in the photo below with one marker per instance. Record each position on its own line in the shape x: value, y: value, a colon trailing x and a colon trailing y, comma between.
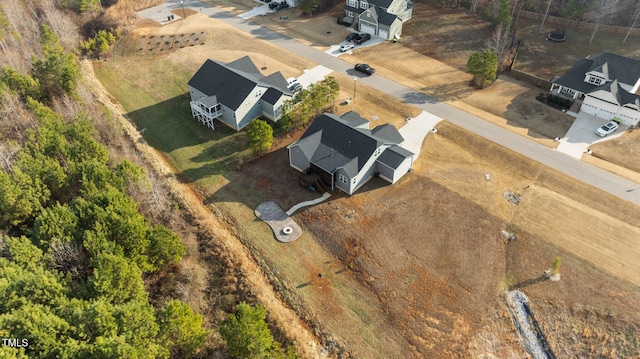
x: 339, y: 144
x: 272, y: 95
x: 245, y: 64
x: 388, y: 133
x: 331, y: 143
x: 382, y: 3
x: 622, y: 96
x: 393, y: 158
x: 386, y: 18
x: 354, y: 119
x: 233, y: 82
x: 230, y: 87
x: 623, y: 69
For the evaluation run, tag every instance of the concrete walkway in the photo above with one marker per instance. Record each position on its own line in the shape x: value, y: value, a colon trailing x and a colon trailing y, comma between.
x: 284, y: 228
x: 582, y: 134
x: 416, y: 129
x: 308, y: 203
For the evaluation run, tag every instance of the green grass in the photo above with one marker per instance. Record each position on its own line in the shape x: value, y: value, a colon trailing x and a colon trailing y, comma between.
x: 158, y: 102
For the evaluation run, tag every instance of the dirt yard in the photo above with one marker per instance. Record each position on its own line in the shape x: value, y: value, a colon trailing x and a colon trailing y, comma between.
x: 417, y: 269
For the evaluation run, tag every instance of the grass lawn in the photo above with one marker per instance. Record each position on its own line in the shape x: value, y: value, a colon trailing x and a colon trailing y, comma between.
x: 159, y: 105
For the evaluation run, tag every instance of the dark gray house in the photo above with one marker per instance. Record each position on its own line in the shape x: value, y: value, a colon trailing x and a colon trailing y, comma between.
x: 345, y: 153
x: 607, y: 84
x: 236, y: 93
x: 381, y: 18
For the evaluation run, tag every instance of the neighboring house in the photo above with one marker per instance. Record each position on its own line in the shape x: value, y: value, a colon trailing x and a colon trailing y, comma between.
x: 346, y: 154
x: 607, y: 85
x: 382, y: 18
x: 236, y: 93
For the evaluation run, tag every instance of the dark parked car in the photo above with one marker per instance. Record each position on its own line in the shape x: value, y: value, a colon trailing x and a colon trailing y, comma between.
x: 365, y: 69
x: 362, y: 38
x: 352, y: 36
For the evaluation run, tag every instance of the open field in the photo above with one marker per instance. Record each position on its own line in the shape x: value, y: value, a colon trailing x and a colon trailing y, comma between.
x: 410, y: 270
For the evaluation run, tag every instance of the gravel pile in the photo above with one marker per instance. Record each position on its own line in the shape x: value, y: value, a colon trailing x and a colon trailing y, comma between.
x: 512, y: 197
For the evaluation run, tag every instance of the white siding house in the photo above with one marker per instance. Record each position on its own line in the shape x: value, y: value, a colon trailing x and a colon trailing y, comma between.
x: 607, y: 84
x: 345, y: 154
x: 236, y: 93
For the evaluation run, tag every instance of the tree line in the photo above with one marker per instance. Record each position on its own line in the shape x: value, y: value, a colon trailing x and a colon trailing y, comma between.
x: 73, y: 246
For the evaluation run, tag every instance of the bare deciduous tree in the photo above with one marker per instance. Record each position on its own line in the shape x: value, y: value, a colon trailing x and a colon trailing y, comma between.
x: 68, y: 257
x: 501, y: 41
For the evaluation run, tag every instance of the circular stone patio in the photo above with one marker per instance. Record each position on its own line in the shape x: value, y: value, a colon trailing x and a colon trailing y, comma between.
x: 271, y: 213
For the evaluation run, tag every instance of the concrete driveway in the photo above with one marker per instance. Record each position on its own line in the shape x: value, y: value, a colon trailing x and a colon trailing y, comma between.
x: 256, y: 11
x: 416, y: 129
x: 582, y: 134
x: 311, y: 76
x: 334, y: 50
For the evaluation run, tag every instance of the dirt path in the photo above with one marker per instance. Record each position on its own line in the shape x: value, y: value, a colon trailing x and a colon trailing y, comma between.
x: 307, y: 344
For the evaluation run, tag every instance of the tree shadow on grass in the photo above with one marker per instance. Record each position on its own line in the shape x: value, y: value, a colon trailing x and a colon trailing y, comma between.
x: 528, y: 282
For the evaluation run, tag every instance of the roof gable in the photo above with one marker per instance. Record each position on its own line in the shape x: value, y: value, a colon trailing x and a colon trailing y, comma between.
x: 340, y: 143
x: 245, y: 65
x: 388, y: 132
x: 624, y: 69
x: 230, y: 87
x: 233, y: 82
x: 385, y: 4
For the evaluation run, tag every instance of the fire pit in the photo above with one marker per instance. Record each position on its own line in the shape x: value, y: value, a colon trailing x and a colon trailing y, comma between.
x: 557, y: 36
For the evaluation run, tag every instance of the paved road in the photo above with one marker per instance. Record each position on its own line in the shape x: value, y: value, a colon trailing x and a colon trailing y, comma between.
x: 581, y: 171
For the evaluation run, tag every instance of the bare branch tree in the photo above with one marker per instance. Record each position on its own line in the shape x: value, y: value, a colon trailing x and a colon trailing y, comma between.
x: 637, y: 13
x: 546, y: 13
x: 500, y: 41
x: 8, y: 151
x: 68, y: 257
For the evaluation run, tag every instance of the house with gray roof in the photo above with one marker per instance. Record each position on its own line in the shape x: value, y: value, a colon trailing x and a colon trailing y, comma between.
x: 607, y: 84
x: 381, y: 18
x: 236, y: 93
x: 345, y: 153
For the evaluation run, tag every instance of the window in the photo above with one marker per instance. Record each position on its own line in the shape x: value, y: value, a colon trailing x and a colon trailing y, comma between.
x: 595, y: 80
x: 354, y: 181
x: 342, y: 178
x: 364, y: 5
x: 352, y: 3
x: 349, y: 13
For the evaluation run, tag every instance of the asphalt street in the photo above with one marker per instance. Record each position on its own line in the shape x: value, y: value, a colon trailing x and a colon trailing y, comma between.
x: 564, y: 163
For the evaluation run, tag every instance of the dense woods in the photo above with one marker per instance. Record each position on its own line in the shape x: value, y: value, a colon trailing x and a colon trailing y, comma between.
x: 74, y: 247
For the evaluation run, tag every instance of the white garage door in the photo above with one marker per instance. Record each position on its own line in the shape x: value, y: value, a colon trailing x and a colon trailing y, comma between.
x: 384, y: 34
x: 367, y: 28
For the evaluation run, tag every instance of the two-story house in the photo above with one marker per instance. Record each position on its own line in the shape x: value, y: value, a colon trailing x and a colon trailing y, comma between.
x: 346, y: 154
x: 236, y: 93
x: 607, y: 84
x: 381, y: 18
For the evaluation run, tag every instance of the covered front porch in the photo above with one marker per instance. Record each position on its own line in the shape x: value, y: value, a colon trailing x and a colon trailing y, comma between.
x: 565, y: 92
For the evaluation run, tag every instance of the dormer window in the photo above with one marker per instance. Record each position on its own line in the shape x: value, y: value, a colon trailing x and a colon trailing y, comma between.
x: 352, y: 3
x: 595, y: 80
x: 364, y: 5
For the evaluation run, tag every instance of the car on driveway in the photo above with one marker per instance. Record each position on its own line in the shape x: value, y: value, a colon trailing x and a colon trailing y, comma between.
x: 365, y: 69
x: 352, y: 36
x: 361, y: 39
x: 610, y: 127
x: 346, y: 47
